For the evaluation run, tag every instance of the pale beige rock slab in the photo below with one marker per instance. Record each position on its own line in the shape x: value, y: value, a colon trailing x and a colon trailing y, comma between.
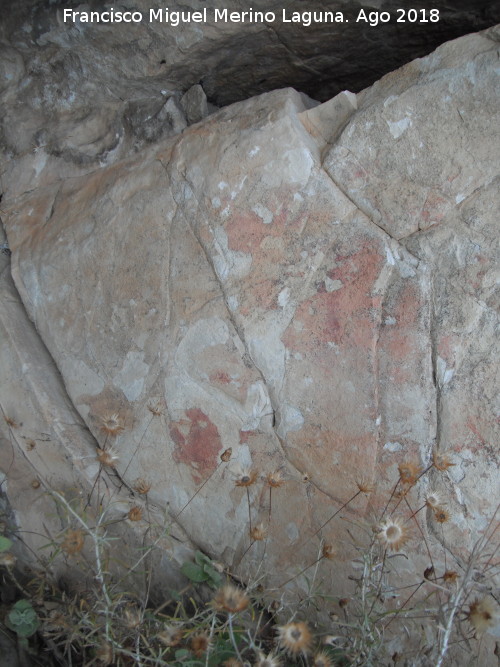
x: 271, y: 294
x: 45, y: 447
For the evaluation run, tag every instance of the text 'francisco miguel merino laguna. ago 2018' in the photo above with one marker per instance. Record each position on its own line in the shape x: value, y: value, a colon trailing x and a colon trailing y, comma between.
x: 305, y: 18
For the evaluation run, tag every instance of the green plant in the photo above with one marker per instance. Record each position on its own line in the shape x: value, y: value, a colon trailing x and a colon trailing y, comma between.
x: 5, y: 543
x: 201, y: 571
x: 23, y: 619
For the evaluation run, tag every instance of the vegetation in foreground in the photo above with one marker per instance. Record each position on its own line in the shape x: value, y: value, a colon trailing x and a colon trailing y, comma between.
x: 217, y: 620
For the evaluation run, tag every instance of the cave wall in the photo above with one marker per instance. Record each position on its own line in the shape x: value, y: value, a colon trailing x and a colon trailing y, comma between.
x: 310, y: 286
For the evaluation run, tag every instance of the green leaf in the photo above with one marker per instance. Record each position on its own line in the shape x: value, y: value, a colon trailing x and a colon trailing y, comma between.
x: 222, y: 650
x: 181, y: 653
x: 23, y: 619
x: 201, y: 559
x: 5, y: 543
x: 213, y: 577
x: 193, y: 572
x: 205, y: 571
x: 183, y: 657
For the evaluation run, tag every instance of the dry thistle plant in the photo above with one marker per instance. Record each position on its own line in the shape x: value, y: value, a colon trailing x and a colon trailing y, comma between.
x: 295, y: 638
x: 275, y: 480
x: 451, y: 605
x: 439, y: 600
x: 224, y: 458
x: 111, y: 424
x: 245, y: 479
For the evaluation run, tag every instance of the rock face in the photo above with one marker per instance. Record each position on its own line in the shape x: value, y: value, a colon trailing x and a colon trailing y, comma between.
x: 46, y: 447
x: 310, y: 286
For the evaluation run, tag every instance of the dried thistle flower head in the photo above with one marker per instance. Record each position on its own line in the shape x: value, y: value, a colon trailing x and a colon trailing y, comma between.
x: 7, y: 559
x: 247, y: 477
x: 483, y: 615
x: 432, y: 500
x: 132, y: 617
x: 269, y: 660
x: 364, y: 486
x: 231, y: 599
x: 409, y: 473
x: 328, y: 552
x: 134, y: 513
x: 441, y: 461
x: 450, y: 576
x: 440, y: 514
x: 330, y: 640
x: 199, y: 644
x: 155, y: 409
x: 295, y: 638
x: 142, y: 486
x: 107, y: 457
x: 111, y: 424
x: 275, y: 479
x: 392, y: 534
x: 73, y: 542
x: 274, y: 606
x: 226, y: 455
x: 322, y: 659
x: 258, y: 532
x: 171, y: 635
x: 104, y: 654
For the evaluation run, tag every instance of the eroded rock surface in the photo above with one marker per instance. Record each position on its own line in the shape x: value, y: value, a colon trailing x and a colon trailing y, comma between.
x: 311, y: 286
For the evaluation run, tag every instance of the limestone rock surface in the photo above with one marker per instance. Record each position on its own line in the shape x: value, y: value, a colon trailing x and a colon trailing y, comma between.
x: 313, y: 287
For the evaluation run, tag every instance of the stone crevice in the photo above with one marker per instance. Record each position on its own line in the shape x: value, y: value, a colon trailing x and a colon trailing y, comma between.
x: 434, y: 361
x: 368, y: 216
x: 169, y: 255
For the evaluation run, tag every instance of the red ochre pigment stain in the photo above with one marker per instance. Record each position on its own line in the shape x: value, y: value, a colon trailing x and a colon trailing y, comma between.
x: 219, y: 377
x: 344, y: 316
x: 245, y: 436
x: 197, y: 443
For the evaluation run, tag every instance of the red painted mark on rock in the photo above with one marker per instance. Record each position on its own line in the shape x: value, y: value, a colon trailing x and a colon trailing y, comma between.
x: 245, y: 436
x: 446, y: 348
x: 219, y: 377
x: 402, y: 339
x: 435, y: 208
x: 197, y: 443
x: 346, y: 315
x: 246, y: 230
x: 473, y: 427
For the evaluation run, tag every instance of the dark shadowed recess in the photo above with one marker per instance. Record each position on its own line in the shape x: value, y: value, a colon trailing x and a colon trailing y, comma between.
x: 320, y: 60
x: 350, y: 56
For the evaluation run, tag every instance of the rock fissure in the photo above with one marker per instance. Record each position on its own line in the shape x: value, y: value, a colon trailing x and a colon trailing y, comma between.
x: 366, y: 212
